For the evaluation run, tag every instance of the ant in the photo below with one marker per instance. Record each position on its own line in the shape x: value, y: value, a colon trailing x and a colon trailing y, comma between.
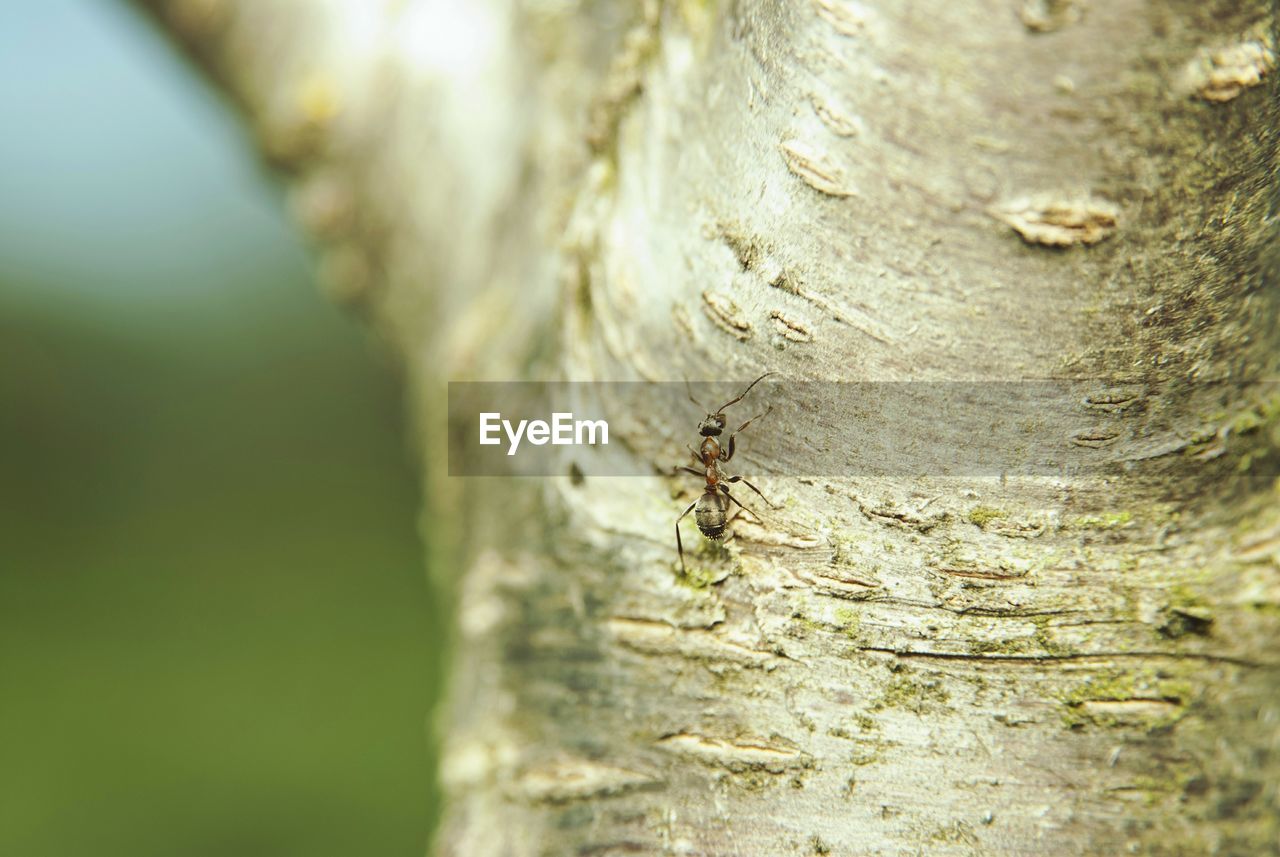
x: 712, y: 507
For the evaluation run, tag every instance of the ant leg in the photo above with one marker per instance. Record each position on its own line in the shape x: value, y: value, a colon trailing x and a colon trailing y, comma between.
x: 679, y: 544
x: 733, y: 516
x: 733, y: 499
x: 694, y: 453
x: 743, y: 394
x: 727, y: 452
x: 753, y: 488
x: 699, y: 473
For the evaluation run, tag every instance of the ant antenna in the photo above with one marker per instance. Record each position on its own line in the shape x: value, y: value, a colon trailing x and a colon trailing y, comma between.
x: 689, y: 389
x: 743, y: 394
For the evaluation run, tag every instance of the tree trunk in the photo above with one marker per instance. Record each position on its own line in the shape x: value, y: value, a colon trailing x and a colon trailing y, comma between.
x: 838, y: 191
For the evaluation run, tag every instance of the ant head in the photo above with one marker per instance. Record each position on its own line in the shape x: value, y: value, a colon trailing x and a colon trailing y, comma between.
x: 712, y: 425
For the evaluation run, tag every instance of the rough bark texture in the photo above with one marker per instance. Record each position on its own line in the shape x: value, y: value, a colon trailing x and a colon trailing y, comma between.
x: 831, y: 190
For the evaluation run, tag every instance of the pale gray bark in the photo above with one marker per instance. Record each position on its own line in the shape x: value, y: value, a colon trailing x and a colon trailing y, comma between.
x: 830, y: 190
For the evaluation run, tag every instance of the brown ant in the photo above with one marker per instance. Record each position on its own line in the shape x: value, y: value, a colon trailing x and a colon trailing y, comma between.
x: 712, y: 507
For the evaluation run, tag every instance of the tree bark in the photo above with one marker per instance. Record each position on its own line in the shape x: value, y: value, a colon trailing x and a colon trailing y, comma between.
x: 832, y: 190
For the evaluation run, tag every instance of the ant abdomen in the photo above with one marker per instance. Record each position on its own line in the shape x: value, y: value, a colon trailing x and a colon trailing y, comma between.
x: 712, y: 514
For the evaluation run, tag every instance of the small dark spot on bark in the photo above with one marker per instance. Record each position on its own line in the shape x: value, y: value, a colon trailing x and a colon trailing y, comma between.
x: 1235, y: 797
x: 1197, y: 786
x: 1180, y: 623
x: 575, y: 817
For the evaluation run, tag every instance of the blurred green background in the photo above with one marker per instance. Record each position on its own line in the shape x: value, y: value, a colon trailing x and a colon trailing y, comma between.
x: 216, y: 636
